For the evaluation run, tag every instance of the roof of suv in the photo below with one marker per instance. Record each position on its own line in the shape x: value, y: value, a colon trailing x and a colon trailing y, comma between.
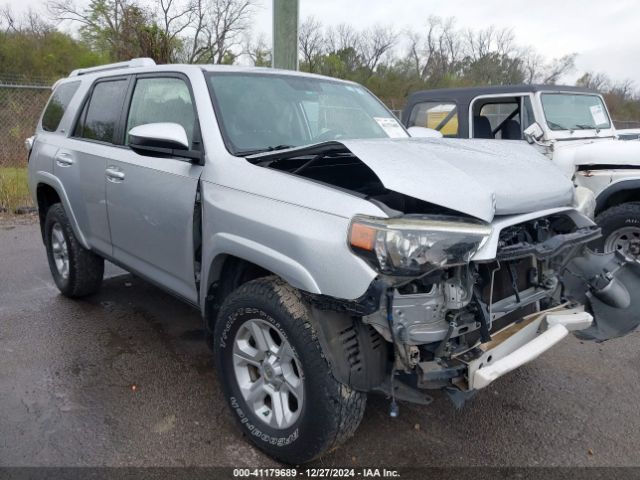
x: 143, y: 65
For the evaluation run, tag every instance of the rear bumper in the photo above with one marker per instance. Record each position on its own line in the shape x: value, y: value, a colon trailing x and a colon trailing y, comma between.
x: 520, y: 343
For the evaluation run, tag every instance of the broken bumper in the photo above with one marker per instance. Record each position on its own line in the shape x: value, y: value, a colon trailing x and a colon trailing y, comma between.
x: 522, y: 342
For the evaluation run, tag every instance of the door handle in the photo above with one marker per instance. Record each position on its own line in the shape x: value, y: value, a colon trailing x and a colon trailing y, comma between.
x: 114, y: 174
x: 64, y: 159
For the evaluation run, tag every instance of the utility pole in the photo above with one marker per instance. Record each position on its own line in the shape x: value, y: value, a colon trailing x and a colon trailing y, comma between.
x: 285, y: 34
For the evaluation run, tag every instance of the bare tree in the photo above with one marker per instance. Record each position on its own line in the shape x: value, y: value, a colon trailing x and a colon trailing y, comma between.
x: 374, y: 44
x: 258, y: 51
x: 101, y: 21
x: 175, y: 16
x: 342, y: 37
x: 217, y: 27
x: 558, y: 67
x: 489, y: 41
x: 624, y: 89
x: 438, y: 53
x: 595, y: 81
x: 537, y: 69
x: 311, y: 43
x: 8, y: 21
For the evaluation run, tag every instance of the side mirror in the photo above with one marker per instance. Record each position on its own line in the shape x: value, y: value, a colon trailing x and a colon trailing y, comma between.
x: 533, y: 133
x: 158, y: 136
x: 422, y: 132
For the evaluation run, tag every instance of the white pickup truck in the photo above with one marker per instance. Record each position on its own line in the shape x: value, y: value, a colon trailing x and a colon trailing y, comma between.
x: 570, y: 125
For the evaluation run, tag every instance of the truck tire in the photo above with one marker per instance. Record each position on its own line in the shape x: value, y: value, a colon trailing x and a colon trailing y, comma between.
x: 620, y: 226
x: 77, y: 271
x: 275, y: 377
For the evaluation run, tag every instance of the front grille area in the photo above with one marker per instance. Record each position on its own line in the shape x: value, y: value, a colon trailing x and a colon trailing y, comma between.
x: 543, y: 238
x: 502, y: 286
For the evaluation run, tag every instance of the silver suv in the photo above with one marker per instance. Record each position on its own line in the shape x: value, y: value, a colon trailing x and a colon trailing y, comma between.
x: 331, y: 255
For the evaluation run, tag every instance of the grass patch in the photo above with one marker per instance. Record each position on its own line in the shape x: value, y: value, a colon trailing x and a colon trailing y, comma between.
x: 14, y: 190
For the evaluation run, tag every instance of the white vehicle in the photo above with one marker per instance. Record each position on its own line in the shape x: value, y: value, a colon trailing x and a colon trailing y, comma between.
x: 629, y: 134
x: 570, y: 125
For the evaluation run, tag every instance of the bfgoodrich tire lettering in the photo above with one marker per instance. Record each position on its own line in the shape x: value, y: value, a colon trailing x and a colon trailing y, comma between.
x: 330, y: 412
x: 84, y: 269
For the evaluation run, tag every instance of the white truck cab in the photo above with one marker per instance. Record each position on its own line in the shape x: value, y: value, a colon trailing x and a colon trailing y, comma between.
x: 570, y: 125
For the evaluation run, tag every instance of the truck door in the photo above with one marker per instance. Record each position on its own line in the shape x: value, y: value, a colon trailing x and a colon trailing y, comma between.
x: 503, y: 117
x: 151, y: 199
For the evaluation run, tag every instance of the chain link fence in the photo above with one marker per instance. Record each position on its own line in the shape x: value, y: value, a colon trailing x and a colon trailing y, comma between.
x: 20, y: 109
x: 21, y: 104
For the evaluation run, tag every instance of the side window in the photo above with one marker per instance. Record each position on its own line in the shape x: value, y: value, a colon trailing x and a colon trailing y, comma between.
x: 499, y: 118
x: 58, y: 105
x: 101, y: 113
x: 157, y: 100
x: 441, y: 116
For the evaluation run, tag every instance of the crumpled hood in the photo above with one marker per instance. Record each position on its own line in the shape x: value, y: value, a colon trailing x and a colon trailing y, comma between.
x: 602, y: 152
x: 481, y: 178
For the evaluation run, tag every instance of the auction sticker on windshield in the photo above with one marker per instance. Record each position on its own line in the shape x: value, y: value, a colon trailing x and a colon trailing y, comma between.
x: 391, y: 127
x: 597, y: 112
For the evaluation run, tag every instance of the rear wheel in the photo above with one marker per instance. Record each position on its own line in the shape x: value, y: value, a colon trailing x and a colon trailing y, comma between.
x: 76, y: 270
x: 275, y: 376
x: 620, y: 230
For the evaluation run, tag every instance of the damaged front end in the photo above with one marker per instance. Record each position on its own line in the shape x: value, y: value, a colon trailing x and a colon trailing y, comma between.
x: 459, y: 320
x: 477, y: 273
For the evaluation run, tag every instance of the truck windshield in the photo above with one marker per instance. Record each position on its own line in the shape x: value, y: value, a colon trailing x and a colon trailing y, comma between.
x: 567, y: 111
x: 263, y: 112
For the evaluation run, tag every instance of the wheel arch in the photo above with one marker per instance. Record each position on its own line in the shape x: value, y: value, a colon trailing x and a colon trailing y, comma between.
x: 238, y: 260
x: 49, y: 190
x: 617, y: 193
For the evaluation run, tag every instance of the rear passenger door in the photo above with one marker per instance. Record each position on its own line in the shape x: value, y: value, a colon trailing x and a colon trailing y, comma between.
x: 151, y: 199
x: 80, y: 164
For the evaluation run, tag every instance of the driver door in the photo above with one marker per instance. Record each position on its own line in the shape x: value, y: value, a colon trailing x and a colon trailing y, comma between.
x: 501, y: 117
x: 151, y: 199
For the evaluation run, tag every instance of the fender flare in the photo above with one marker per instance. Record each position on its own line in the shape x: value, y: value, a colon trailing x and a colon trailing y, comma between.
x: 227, y: 244
x: 602, y: 200
x: 52, y: 181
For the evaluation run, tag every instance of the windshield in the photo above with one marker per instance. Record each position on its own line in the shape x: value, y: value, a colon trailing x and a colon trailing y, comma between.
x: 567, y: 111
x: 263, y: 112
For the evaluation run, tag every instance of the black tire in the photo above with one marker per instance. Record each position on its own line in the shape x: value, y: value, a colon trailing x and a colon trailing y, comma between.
x: 616, y: 218
x: 331, y: 411
x: 86, y: 269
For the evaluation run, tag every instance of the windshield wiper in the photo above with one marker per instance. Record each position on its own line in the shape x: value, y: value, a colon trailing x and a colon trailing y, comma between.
x: 585, y: 127
x: 556, y: 125
x: 263, y: 150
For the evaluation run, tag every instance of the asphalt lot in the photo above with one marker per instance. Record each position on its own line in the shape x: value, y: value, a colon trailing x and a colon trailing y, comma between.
x: 68, y: 371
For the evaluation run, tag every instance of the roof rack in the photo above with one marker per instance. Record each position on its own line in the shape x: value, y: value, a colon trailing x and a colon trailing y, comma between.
x: 133, y: 63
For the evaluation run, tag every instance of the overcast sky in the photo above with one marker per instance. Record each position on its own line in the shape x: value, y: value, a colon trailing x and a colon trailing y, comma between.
x: 605, y: 34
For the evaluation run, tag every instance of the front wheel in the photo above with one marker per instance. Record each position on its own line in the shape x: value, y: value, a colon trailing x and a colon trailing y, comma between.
x: 620, y: 230
x: 275, y: 377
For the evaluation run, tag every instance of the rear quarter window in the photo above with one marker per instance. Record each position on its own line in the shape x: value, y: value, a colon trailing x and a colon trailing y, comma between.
x: 440, y: 116
x: 57, y: 105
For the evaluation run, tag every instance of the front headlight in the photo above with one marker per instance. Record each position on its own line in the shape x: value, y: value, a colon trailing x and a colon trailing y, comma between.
x: 416, y: 244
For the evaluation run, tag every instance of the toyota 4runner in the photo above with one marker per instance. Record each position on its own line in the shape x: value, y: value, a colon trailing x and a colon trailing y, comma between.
x: 331, y: 255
